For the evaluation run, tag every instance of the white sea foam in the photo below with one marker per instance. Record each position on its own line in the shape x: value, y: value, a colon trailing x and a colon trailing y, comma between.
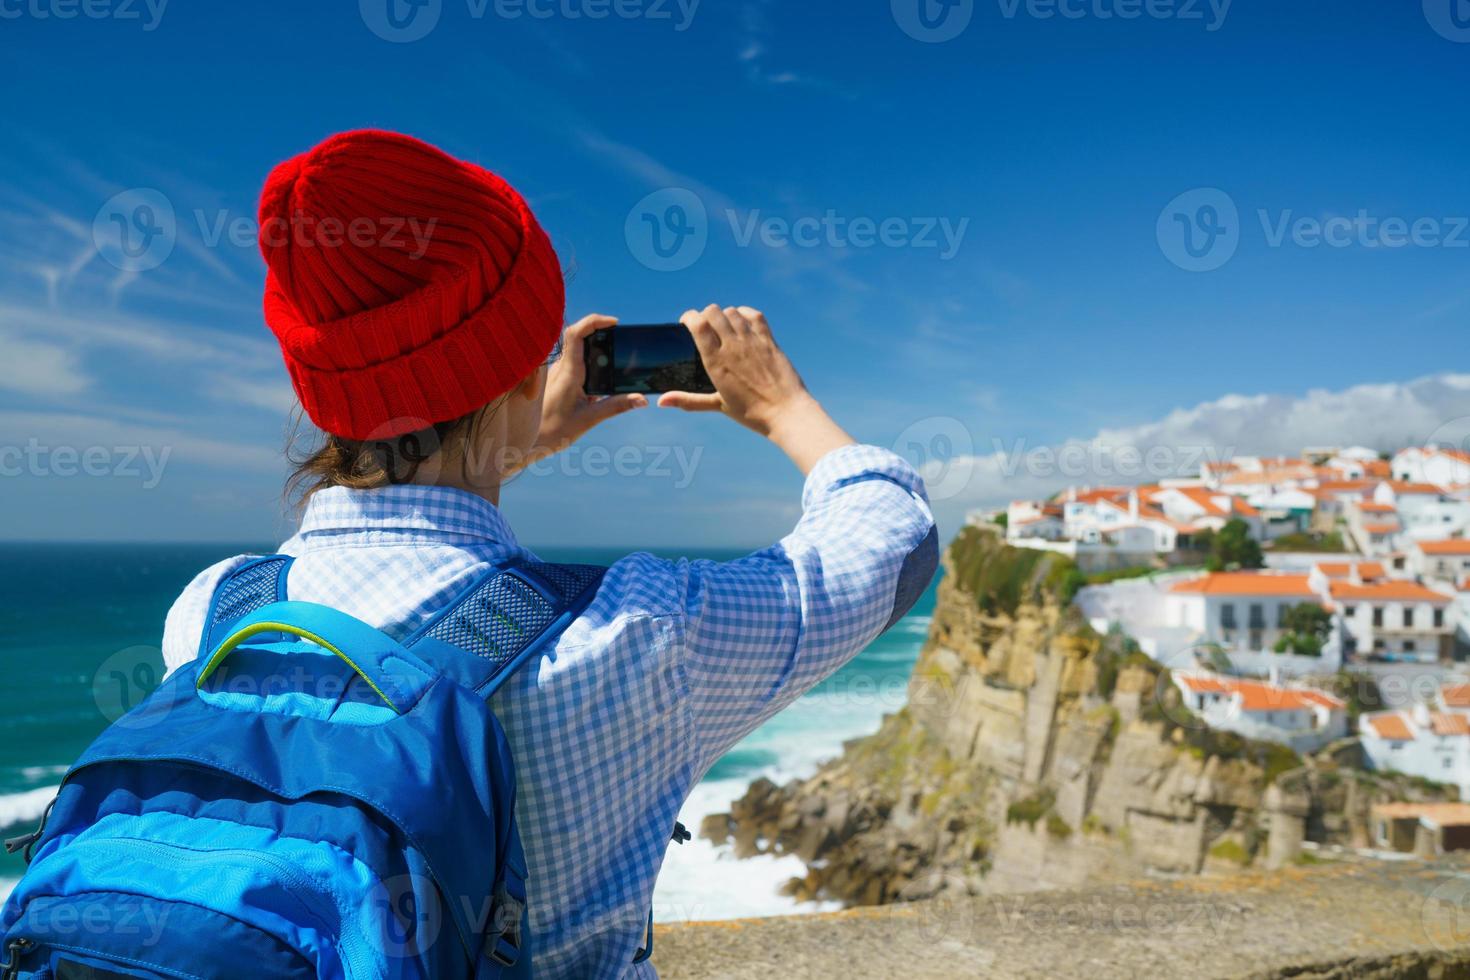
x: 36, y: 773
x: 700, y: 881
x: 26, y: 806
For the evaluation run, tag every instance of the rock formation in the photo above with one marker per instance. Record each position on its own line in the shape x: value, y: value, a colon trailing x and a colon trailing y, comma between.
x: 1034, y: 753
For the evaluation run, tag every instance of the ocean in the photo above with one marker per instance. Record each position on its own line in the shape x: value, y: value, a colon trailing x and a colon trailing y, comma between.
x: 80, y: 624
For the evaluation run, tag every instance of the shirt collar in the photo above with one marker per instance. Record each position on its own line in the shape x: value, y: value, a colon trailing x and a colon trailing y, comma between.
x: 432, y: 511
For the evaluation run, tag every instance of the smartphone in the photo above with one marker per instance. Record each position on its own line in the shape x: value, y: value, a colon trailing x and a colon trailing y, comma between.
x: 647, y: 358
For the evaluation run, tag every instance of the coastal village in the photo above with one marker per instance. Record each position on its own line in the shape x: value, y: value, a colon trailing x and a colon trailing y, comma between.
x: 1269, y: 585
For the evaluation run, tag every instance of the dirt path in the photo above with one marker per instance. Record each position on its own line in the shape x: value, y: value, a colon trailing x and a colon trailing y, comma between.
x: 1373, y: 920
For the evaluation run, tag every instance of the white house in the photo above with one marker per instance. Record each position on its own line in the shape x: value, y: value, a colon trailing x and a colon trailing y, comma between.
x: 1284, y: 511
x: 1418, y: 505
x: 1031, y: 519
x: 1439, y: 465
x: 1373, y: 615
x: 1420, y: 742
x: 1305, y: 718
x: 1114, y: 518
x: 1428, y: 518
x: 1244, y: 613
x: 1373, y: 525
x: 1357, y: 462
x: 1393, y: 619
x: 1201, y: 507
x: 1445, y: 561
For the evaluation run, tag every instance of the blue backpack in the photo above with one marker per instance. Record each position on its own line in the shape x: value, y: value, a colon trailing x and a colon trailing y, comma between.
x: 308, y: 798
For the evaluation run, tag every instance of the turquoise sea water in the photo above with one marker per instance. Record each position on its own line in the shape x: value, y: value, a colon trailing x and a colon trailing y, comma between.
x: 80, y: 627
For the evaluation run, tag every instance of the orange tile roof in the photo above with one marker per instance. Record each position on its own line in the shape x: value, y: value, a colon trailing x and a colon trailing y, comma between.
x: 1246, y: 478
x: 1378, y: 467
x: 1404, y: 486
x: 1204, y: 683
x: 1378, y: 528
x: 1244, y: 509
x: 1246, y: 583
x: 1441, y: 814
x: 1347, y: 486
x: 1372, y: 507
x: 1259, y: 696
x: 1218, y: 504
x: 1266, y: 697
x: 1099, y: 495
x: 1455, y: 695
x: 1392, y: 590
x: 1391, y: 725
x: 1449, y: 546
x: 1443, y: 723
x: 1366, y: 570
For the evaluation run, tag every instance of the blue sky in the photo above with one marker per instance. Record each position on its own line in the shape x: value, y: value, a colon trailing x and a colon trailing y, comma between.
x: 1026, y: 290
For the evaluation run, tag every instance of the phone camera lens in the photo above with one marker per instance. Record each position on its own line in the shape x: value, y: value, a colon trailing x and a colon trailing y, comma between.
x: 602, y: 360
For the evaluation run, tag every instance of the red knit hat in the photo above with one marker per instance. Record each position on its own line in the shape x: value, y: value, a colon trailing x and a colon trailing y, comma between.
x: 405, y: 287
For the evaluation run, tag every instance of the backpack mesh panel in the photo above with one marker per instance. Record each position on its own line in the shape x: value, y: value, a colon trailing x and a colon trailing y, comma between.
x: 247, y: 591
x: 497, y: 620
x: 569, y: 580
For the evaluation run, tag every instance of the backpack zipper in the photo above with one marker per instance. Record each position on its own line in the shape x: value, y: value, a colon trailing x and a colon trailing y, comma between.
x: 27, y: 841
x: 298, y: 885
x: 14, y: 950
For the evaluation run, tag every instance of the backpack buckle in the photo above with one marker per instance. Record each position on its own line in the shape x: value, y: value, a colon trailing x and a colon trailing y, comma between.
x: 503, y: 941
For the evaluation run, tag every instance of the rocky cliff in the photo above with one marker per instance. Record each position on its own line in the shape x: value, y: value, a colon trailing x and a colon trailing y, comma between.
x: 1033, y: 754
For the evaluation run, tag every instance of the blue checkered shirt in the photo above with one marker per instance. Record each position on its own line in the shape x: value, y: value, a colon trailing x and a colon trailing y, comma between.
x: 672, y: 664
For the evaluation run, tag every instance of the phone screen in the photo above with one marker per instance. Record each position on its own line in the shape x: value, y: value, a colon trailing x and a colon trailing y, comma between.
x: 648, y: 359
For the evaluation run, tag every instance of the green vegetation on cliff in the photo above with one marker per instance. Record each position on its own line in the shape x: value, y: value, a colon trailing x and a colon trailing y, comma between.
x: 1001, y: 578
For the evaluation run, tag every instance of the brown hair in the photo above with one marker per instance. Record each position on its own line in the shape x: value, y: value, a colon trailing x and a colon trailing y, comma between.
x: 332, y: 461
x: 372, y: 463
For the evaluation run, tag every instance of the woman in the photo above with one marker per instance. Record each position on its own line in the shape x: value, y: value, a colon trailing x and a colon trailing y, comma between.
x: 417, y: 302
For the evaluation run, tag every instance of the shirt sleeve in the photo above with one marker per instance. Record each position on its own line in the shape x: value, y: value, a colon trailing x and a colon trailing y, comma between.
x: 762, y: 630
x: 184, y: 626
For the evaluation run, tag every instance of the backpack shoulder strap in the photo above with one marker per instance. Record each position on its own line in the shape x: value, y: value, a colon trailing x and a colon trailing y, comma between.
x: 503, y: 618
x: 256, y: 583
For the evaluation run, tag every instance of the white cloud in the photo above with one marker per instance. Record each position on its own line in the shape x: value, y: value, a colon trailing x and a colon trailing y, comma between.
x: 35, y: 367
x: 158, y: 338
x: 1382, y: 416
x: 274, y: 393
x: 30, y: 441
